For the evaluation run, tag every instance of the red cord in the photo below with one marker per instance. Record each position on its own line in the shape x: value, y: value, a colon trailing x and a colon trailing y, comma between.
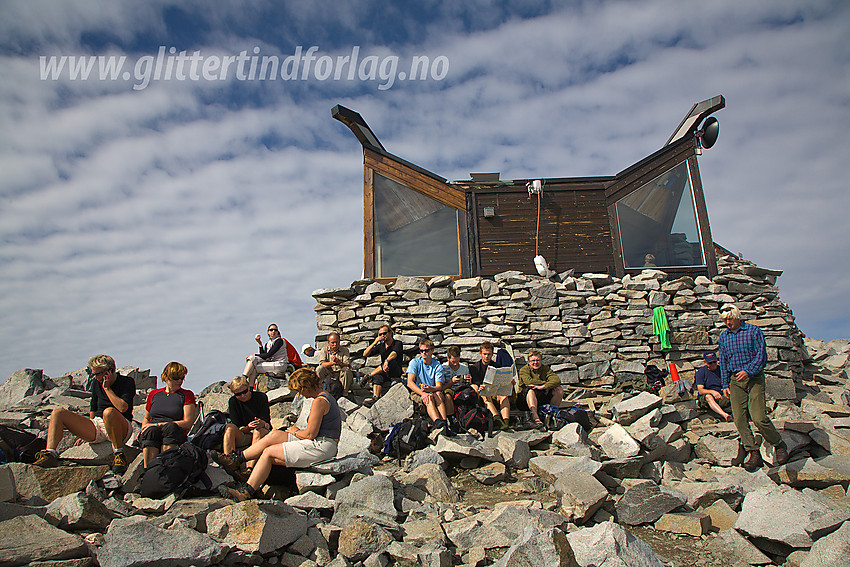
x: 537, y: 240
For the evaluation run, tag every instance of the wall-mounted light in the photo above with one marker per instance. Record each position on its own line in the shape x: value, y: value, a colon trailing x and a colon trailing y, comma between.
x: 535, y: 187
x: 489, y: 212
x: 706, y: 136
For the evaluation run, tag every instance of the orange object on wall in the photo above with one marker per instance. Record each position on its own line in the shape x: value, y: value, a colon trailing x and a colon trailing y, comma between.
x: 674, y: 372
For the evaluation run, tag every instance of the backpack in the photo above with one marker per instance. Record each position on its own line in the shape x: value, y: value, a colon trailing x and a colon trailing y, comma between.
x: 466, y: 398
x: 406, y: 436
x: 175, y: 470
x: 334, y: 388
x: 475, y: 417
x: 17, y: 445
x: 555, y: 418
x: 211, y: 432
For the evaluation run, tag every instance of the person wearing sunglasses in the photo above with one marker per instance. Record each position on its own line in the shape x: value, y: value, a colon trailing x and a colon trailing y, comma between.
x: 169, y: 414
x: 110, y: 415
x: 425, y: 377
x: 273, y: 357
x: 390, y: 351
x: 250, y: 418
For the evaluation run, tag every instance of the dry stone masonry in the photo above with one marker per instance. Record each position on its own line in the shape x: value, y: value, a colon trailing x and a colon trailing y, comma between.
x: 593, y: 329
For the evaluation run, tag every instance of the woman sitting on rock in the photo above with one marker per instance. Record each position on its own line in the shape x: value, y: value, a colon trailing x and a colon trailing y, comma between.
x: 169, y: 414
x: 296, y: 448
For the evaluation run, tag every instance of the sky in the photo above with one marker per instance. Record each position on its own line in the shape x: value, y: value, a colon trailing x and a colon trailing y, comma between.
x: 172, y: 208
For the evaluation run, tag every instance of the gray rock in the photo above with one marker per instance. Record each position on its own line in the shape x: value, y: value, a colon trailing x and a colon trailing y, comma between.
x: 371, y: 498
x: 359, y: 539
x: 689, y: 523
x: 310, y: 501
x: 455, y: 448
x: 534, y: 548
x: 490, y: 474
x: 30, y: 533
x: 430, y: 479
x: 361, y: 462
x: 23, y: 383
x: 801, y: 516
x: 394, y: 406
x: 261, y: 526
x: 832, y: 550
x: 420, y: 532
x: 408, y: 283
x: 552, y: 467
x: 142, y: 543
x: 581, y: 496
x: 426, y: 455
x: 813, y: 473
x: 515, y: 452
x: 644, y: 502
x: 49, y: 484
x: 500, y: 527
x: 79, y: 511
x: 609, y: 544
x: 630, y: 410
x: 740, y: 547
x: 617, y: 443
x: 193, y: 513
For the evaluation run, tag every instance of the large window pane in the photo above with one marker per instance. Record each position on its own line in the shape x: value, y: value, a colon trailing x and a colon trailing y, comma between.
x: 658, y: 225
x: 415, y: 235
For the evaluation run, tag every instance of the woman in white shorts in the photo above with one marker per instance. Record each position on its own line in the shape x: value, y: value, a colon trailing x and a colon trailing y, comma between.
x: 295, y: 448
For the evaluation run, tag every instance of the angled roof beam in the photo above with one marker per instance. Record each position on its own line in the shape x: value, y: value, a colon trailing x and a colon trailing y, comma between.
x: 699, y: 112
x: 358, y: 126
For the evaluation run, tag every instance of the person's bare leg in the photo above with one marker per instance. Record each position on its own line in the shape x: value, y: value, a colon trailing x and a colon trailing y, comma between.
x: 231, y: 434
x: 116, y: 426
x: 79, y: 425
x: 148, y: 454
x: 557, y: 396
x: 269, y: 457
x: 715, y: 407
x: 531, y: 401
x: 504, y: 407
x: 275, y: 437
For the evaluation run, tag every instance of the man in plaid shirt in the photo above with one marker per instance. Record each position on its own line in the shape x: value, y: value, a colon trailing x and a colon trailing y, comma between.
x: 743, y: 355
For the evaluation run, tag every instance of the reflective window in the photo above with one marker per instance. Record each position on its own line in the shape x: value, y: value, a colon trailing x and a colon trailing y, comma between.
x: 658, y: 225
x: 415, y: 235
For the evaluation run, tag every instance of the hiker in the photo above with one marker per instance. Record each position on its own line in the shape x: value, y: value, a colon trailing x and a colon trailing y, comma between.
x: 425, y: 377
x: 335, y: 364
x: 296, y: 448
x: 170, y: 412
x: 499, y: 406
x: 711, y: 394
x: 455, y: 376
x: 250, y: 418
x: 110, y: 416
x: 538, y: 385
x: 743, y: 356
x: 273, y: 358
x: 390, y: 351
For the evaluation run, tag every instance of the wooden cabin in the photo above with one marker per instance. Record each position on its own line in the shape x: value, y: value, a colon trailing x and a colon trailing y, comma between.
x: 651, y: 214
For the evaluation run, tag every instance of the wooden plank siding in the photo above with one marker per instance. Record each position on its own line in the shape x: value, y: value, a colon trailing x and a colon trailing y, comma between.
x: 574, y: 230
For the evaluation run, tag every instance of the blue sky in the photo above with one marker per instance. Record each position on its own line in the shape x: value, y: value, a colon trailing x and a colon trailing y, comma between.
x: 175, y: 221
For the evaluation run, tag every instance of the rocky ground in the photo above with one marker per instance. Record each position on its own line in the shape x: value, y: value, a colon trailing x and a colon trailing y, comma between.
x: 650, y: 484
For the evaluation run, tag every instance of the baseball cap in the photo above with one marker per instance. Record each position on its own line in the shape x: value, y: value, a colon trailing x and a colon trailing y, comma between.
x: 305, y: 348
x: 710, y: 356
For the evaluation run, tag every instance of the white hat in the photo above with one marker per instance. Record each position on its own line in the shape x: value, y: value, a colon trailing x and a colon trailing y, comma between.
x: 306, y: 347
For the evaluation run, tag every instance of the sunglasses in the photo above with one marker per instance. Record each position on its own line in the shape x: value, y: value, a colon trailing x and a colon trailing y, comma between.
x: 382, y: 334
x: 425, y: 350
x: 241, y: 392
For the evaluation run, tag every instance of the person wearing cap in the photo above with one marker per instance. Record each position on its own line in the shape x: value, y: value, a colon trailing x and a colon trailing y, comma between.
x: 743, y: 356
x: 709, y: 388
x: 335, y: 364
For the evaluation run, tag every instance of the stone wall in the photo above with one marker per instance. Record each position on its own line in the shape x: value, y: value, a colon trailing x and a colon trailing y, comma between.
x: 593, y: 329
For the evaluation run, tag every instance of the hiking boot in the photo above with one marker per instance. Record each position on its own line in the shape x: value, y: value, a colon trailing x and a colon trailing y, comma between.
x: 739, y: 458
x: 780, y: 453
x: 46, y: 459
x: 229, y: 463
x: 119, y: 463
x: 753, y: 461
x: 503, y: 425
x: 239, y: 494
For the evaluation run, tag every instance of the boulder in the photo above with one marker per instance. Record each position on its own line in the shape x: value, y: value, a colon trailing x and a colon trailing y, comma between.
x: 140, y: 543
x: 49, y: 484
x: 23, y: 383
x: 430, y: 479
x: 690, y: 523
x: 30, y: 533
x: 832, y: 550
x: 535, y: 548
x: 78, y: 511
x: 260, y: 526
x: 645, y: 502
x: 611, y: 545
x: 371, y: 499
x: 581, y: 496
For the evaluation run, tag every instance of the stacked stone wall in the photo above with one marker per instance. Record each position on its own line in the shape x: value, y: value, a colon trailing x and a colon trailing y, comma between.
x: 593, y: 329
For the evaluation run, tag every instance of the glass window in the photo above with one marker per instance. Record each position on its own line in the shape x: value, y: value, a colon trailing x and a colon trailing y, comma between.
x: 415, y: 235
x: 658, y: 225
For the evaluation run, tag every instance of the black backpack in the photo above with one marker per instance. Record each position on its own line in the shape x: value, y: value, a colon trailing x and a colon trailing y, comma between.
x: 406, y: 436
x: 475, y: 417
x: 555, y: 418
x: 175, y: 470
x: 211, y: 432
x: 17, y: 445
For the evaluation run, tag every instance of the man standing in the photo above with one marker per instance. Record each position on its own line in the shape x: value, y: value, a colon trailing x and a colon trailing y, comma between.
x: 390, y: 351
x: 743, y: 356
x: 710, y: 389
x: 499, y: 406
x: 335, y: 364
x: 110, y: 415
x: 538, y: 385
x: 425, y: 377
